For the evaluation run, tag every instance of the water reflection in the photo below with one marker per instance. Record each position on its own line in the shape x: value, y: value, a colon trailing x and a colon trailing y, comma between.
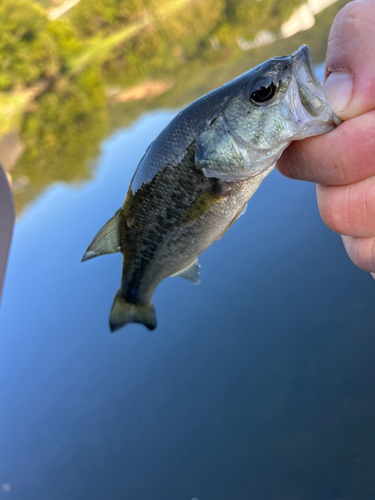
x: 160, y: 53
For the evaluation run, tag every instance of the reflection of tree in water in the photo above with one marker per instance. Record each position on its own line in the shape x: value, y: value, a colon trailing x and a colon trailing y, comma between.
x: 62, y: 134
x: 161, y: 49
x: 195, y: 48
x: 31, y: 47
x: 203, y: 31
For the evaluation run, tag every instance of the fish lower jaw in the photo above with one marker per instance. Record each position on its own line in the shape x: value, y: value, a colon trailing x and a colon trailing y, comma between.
x: 314, y: 128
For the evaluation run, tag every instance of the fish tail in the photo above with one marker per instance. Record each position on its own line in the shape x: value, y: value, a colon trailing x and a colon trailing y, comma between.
x: 124, y: 312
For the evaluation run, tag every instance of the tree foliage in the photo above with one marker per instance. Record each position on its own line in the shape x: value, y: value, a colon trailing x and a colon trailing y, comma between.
x: 27, y: 52
x: 63, y: 130
x: 163, y: 47
x: 106, y: 16
x: 31, y: 48
x: 247, y: 17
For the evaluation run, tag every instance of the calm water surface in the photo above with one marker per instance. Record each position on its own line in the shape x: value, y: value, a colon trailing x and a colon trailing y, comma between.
x: 257, y: 384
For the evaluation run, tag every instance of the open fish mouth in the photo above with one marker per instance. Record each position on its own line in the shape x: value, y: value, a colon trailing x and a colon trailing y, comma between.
x: 310, y: 93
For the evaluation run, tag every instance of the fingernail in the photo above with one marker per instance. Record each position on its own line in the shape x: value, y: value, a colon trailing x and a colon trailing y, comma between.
x: 339, y: 88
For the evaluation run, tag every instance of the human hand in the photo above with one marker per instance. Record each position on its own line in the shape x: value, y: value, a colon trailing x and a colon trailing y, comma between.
x: 342, y: 162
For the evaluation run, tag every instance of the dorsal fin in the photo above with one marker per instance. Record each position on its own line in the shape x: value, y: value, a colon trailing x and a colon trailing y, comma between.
x: 107, y: 240
x: 190, y: 273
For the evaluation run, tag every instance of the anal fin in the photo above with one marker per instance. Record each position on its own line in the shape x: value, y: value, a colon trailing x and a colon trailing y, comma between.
x: 190, y: 273
x: 107, y: 240
x: 243, y: 211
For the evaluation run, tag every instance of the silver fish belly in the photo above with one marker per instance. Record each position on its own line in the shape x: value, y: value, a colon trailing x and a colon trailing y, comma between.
x: 197, y: 176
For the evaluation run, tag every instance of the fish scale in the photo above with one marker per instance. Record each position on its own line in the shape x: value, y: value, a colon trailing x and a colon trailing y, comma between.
x: 197, y: 176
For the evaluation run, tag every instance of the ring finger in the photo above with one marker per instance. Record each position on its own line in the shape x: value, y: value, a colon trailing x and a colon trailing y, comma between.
x: 350, y: 209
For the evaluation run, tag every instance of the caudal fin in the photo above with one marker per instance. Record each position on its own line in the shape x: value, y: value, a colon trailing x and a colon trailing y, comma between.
x: 124, y: 312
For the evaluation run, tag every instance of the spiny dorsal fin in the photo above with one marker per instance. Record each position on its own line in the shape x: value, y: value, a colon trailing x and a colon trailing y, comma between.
x: 107, y: 240
x: 202, y: 203
x: 123, y: 313
x: 190, y: 273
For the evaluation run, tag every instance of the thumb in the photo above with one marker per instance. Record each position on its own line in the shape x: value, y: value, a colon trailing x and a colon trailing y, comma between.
x: 350, y: 63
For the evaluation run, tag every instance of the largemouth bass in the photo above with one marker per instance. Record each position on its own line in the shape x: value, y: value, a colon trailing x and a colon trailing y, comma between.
x: 196, y: 177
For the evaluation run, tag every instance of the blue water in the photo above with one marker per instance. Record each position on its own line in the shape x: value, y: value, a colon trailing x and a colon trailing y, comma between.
x: 257, y: 384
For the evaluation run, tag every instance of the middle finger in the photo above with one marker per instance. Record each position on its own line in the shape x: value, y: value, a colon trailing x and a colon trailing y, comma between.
x: 349, y: 210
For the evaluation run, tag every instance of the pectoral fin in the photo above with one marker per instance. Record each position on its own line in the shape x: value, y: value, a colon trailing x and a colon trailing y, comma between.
x: 206, y: 200
x: 190, y: 273
x: 107, y: 240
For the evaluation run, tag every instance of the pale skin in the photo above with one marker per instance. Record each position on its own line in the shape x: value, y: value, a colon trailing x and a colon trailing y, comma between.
x: 342, y: 163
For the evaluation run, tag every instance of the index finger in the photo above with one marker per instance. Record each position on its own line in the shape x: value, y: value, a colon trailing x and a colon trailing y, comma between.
x: 343, y: 156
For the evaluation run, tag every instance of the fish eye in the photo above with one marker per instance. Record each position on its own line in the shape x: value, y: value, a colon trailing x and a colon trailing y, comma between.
x: 263, y: 94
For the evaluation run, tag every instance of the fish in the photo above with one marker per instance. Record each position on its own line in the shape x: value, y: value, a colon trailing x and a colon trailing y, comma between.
x: 196, y: 178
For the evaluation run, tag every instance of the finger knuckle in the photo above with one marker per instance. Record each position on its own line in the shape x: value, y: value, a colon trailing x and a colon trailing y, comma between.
x: 350, y: 209
x: 363, y: 254
x: 351, y: 22
x: 365, y: 202
x: 338, y: 33
x: 352, y: 13
x: 331, y: 209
